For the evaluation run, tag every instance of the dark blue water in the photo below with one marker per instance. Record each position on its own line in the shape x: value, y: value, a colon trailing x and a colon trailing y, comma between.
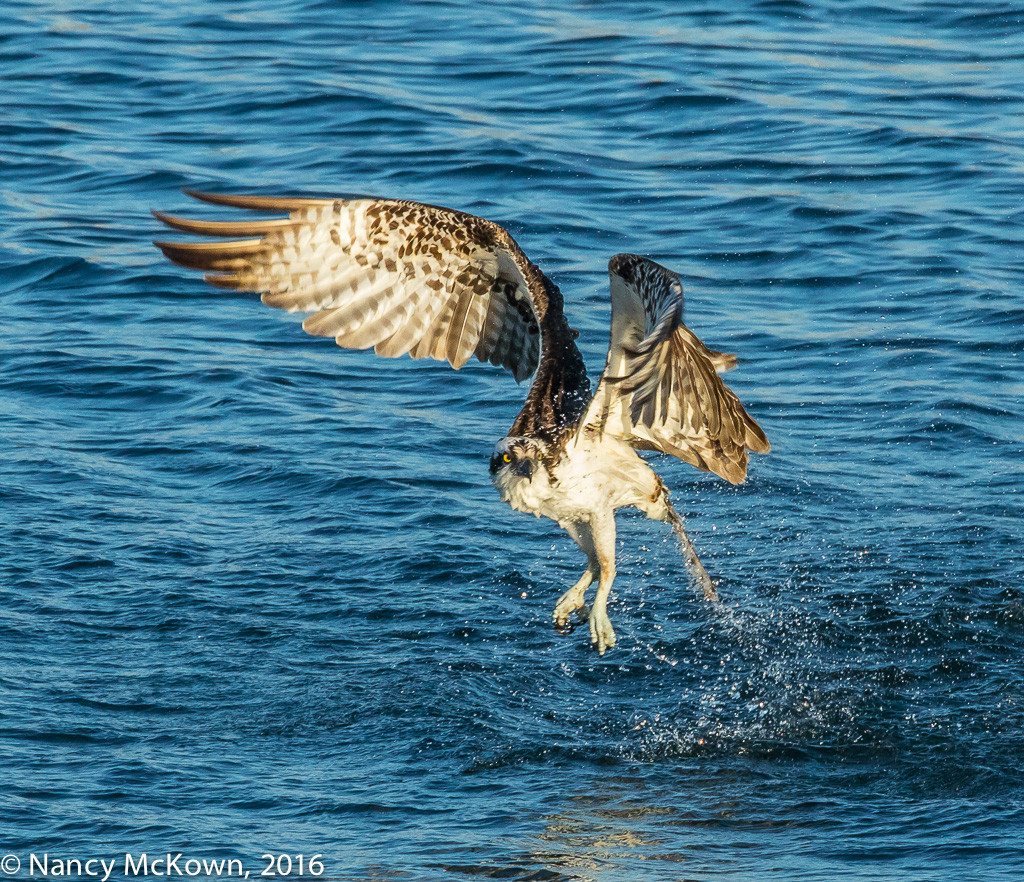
x: 257, y: 592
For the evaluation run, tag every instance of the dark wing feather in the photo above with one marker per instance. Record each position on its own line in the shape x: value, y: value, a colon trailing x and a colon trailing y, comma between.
x: 661, y: 389
x: 400, y: 277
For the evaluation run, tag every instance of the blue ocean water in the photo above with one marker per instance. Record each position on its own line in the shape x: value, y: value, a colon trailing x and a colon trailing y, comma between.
x: 257, y: 593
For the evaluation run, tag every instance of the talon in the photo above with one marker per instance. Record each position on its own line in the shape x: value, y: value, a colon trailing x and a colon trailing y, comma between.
x: 569, y: 622
x: 602, y: 634
x: 566, y: 627
x: 571, y: 601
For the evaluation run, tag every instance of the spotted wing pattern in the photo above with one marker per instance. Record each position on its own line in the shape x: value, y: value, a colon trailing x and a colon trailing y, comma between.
x: 660, y: 389
x: 400, y: 277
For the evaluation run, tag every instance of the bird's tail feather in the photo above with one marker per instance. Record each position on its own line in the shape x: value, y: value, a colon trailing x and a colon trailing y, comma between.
x: 723, y: 361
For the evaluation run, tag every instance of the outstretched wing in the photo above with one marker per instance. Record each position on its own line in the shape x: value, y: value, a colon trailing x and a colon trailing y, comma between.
x: 400, y: 277
x: 660, y: 389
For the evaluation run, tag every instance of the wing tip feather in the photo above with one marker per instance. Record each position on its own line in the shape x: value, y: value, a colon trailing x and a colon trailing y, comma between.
x: 257, y: 203
x: 234, y: 260
x: 224, y: 229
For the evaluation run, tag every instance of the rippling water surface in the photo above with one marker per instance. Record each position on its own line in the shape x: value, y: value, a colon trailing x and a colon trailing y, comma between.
x: 257, y: 592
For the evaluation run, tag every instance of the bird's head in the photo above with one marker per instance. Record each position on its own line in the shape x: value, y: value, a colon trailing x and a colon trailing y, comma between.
x: 516, y: 458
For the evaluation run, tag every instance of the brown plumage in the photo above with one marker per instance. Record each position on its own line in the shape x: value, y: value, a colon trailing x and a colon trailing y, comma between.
x: 661, y: 389
x: 405, y: 278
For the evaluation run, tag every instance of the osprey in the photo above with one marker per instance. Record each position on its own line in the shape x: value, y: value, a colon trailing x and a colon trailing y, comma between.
x: 407, y: 278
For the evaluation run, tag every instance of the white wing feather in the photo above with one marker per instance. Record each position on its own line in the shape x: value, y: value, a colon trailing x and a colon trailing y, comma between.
x: 398, y: 277
x: 660, y: 389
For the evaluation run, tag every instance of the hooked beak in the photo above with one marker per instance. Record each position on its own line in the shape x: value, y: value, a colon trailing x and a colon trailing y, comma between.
x: 524, y: 469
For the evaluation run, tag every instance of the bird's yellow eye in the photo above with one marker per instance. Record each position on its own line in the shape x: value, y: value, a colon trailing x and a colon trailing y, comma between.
x: 506, y: 458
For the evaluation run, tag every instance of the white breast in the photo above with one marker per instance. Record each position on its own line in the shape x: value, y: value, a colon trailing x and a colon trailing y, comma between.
x: 594, y: 474
x: 529, y: 495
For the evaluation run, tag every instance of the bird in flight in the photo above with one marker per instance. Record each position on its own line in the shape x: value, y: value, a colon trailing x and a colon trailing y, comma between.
x: 405, y: 278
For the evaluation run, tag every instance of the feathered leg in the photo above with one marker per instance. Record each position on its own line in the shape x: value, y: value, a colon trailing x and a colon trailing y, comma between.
x: 602, y: 526
x: 572, y: 600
